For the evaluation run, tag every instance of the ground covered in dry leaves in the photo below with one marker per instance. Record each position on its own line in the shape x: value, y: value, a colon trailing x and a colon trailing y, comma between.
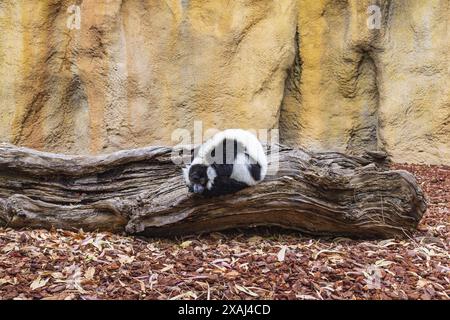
x: 263, y: 264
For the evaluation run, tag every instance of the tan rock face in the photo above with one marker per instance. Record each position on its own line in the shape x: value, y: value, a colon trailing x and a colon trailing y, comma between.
x: 136, y: 70
x: 357, y: 88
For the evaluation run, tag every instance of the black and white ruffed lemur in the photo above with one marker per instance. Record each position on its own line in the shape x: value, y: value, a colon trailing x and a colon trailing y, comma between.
x: 230, y: 161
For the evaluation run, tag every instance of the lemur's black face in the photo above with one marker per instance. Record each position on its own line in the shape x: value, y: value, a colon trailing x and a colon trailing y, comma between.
x: 198, y: 177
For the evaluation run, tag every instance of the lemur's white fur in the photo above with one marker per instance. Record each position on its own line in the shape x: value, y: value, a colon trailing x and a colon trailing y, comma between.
x: 186, y: 175
x: 241, y: 173
x: 211, y: 176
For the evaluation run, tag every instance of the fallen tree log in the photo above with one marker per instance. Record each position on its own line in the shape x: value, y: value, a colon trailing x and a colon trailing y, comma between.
x: 141, y: 191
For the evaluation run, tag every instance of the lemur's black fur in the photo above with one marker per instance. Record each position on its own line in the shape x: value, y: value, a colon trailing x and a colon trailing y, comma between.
x: 222, y: 185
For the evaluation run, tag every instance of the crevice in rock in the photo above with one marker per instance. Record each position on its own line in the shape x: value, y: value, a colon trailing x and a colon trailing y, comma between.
x: 289, y: 124
x: 364, y: 85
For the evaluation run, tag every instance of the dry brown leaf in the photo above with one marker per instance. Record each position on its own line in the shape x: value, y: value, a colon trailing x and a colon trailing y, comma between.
x: 89, y: 274
x: 282, y: 254
x: 185, y: 244
x: 38, y: 283
x: 246, y: 290
x: 124, y: 259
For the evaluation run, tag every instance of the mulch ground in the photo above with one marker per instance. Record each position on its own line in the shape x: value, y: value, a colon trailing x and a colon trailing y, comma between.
x: 261, y: 264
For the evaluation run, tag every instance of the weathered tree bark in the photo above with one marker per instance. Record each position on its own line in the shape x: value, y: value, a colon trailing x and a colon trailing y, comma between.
x: 142, y: 191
